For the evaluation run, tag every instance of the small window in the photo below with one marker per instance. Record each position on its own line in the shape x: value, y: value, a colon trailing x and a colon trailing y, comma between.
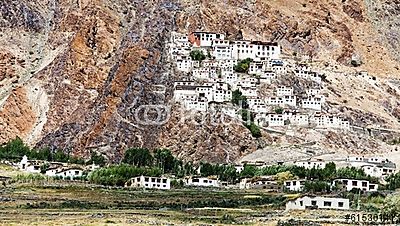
x: 340, y: 204
x: 354, y: 183
x: 146, y: 179
x: 364, y: 184
x: 326, y: 203
x: 301, y: 203
x: 313, y: 203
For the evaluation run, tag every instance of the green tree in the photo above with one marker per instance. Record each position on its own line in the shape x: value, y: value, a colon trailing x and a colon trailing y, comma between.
x: 14, y: 150
x: 316, y: 186
x: 279, y: 110
x: 243, y: 65
x: 197, y: 55
x: 97, y: 159
x: 248, y: 171
x: 254, y: 129
x: 239, y: 100
x: 393, y: 181
x: 164, y: 160
x: 138, y: 157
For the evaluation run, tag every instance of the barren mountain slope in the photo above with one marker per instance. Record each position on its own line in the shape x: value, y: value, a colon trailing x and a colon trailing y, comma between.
x: 73, y: 74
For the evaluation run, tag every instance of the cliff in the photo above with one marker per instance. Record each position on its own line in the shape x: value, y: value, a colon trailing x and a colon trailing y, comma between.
x: 74, y: 74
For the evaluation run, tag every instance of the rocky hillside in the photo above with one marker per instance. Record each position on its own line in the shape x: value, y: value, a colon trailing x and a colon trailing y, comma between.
x: 74, y: 74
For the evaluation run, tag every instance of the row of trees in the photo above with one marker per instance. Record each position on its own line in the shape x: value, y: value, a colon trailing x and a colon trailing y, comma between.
x: 15, y: 149
x: 162, y: 159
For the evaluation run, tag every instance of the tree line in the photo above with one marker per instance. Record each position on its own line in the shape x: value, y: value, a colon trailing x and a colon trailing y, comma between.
x: 15, y: 149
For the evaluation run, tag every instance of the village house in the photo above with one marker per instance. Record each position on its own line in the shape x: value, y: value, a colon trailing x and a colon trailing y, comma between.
x: 267, y: 77
x: 204, y: 39
x: 380, y: 170
x: 350, y: 184
x: 330, y: 121
x: 201, y: 104
x: 184, y: 83
x: 318, y: 202
x: 221, y: 49
x: 256, y: 68
x: 71, y: 172
x: 248, y: 91
x: 313, y: 103
x: 227, y: 64
x: 275, y: 120
x: 311, y: 163
x: 30, y: 166
x: 308, y: 75
x: 201, y: 182
x: 202, y: 73
x: 294, y: 185
x: 254, y: 49
x: 185, y: 92
x: 179, y: 38
x: 149, y: 182
x: 185, y: 64
x: 373, y: 166
x: 221, y: 95
x: 266, y: 182
x: 284, y: 91
x: 296, y: 119
x: 283, y: 100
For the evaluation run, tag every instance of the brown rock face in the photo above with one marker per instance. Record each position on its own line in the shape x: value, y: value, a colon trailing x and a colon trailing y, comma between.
x: 16, y: 116
x: 97, y: 63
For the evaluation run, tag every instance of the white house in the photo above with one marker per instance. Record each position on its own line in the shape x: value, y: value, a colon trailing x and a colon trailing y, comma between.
x: 221, y: 49
x: 185, y: 92
x: 309, y: 75
x: 256, y: 68
x: 330, y: 121
x: 69, y: 172
x: 265, y: 182
x: 202, y: 182
x: 204, y: 39
x: 350, y: 184
x: 201, y: 73
x: 267, y: 77
x: 254, y: 49
x: 201, y: 104
x: 283, y: 100
x: 313, y: 103
x: 284, y: 91
x: 318, y: 202
x: 275, y: 120
x: 248, y: 91
x: 221, y: 95
x: 30, y: 166
x: 185, y: 64
x: 373, y: 166
x: 309, y: 164
x: 379, y: 170
x: 184, y: 83
x: 149, y: 182
x: 179, y: 37
x: 299, y: 119
x: 294, y: 185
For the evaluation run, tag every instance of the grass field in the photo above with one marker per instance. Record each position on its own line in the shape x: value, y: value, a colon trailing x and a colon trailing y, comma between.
x: 46, y: 201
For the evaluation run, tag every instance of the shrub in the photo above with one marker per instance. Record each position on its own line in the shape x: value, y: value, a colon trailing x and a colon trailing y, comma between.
x: 197, y: 55
x: 243, y: 65
x: 279, y: 110
x: 119, y: 174
x: 255, y: 130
